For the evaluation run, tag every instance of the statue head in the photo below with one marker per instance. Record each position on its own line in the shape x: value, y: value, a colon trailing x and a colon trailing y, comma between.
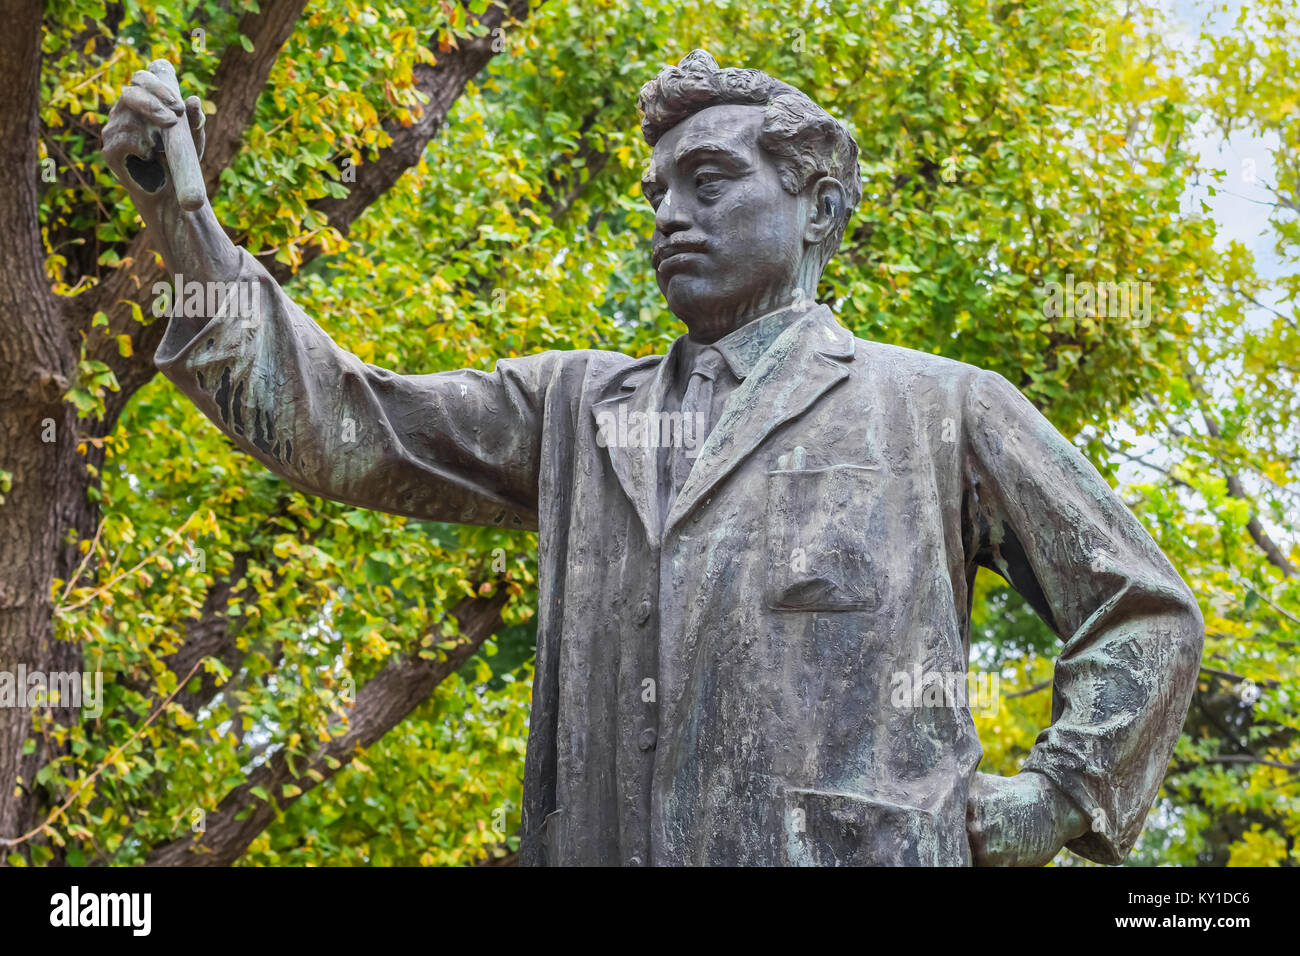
x: 752, y: 185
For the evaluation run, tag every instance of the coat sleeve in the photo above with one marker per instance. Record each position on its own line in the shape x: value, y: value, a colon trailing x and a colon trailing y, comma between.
x: 460, y: 446
x: 1046, y: 521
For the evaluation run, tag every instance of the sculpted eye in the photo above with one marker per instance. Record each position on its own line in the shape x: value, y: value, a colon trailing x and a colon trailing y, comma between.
x: 709, y: 186
x: 655, y: 197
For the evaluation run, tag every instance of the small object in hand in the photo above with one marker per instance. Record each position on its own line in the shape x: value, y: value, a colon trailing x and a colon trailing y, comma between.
x: 178, y: 156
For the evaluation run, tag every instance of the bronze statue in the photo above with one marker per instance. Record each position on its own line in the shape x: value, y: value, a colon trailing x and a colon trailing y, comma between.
x: 743, y: 542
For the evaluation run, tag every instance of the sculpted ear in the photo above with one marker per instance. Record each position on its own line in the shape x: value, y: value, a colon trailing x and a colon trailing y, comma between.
x: 829, y: 200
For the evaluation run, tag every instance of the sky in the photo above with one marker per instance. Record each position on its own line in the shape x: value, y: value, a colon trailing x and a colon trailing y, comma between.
x: 1239, y: 207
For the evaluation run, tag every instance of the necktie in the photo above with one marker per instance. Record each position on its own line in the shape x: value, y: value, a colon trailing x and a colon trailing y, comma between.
x: 697, y: 406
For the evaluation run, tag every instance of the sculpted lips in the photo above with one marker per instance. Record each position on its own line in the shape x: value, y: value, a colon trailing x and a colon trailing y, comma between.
x: 676, y: 247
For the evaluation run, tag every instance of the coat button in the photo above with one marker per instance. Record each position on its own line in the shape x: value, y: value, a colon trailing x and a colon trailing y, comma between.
x: 643, y: 612
x: 647, y: 739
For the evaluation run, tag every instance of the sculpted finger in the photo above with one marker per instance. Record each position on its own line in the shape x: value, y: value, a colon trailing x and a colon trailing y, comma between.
x: 147, y: 106
x: 163, y: 91
x: 194, y: 113
x: 125, y: 134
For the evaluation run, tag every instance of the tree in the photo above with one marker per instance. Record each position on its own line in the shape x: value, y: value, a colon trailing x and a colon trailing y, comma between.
x: 293, y: 680
x: 1226, y: 500
x: 79, y: 337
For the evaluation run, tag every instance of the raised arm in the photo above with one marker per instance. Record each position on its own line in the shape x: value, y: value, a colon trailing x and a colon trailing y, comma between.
x: 1047, y: 522
x: 456, y: 446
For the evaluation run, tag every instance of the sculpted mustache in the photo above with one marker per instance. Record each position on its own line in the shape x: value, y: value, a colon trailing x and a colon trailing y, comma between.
x: 672, y: 249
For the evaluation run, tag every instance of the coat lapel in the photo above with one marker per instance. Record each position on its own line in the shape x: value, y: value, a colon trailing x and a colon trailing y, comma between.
x: 637, y: 464
x: 801, y: 365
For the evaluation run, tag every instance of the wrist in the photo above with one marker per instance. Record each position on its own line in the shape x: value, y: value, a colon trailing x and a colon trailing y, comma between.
x: 193, y: 244
x: 1069, y: 820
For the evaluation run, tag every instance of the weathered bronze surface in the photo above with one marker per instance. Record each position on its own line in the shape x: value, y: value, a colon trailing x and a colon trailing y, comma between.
x: 748, y: 545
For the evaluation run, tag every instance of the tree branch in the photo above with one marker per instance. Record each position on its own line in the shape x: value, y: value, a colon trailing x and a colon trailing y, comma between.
x: 384, y: 701
x: 1247, y: 758
x: 1141, y: 460
x: 240, y: 79
x: 1256, y: 530
x: 1041, y: 685
x: 443, y: 83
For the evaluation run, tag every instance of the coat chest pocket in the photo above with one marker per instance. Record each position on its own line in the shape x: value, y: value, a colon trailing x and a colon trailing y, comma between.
x: 818, y: 538
x: 845, y: 829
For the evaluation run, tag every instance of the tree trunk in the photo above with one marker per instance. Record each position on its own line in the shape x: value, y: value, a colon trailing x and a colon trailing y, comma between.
x: 47, y: 509
x: 38, y: 430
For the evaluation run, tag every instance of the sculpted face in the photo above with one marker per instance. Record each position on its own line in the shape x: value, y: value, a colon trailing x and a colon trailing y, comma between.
x: 729, y: 243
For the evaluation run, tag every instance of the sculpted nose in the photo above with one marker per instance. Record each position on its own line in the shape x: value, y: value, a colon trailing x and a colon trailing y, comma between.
x: 670, y: 217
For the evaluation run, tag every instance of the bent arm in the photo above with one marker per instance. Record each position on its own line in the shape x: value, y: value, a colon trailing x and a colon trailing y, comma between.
x: 1049, y: 524
x: 454, y: 446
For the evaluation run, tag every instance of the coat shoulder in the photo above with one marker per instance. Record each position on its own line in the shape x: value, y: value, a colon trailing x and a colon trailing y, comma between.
x: 917, y: 370
x: 608, y: 373
x: 615, y: 365
x: 590, y: 372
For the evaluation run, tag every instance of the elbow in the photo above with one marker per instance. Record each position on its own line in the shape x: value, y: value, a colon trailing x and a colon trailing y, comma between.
x: 1194, y: 620
x: 1183, y: 611
x: 1196, y: 632
x: 1188, y: 633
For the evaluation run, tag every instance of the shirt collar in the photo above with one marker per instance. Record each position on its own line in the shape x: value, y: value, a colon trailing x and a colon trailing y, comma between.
x: 743, y: 347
